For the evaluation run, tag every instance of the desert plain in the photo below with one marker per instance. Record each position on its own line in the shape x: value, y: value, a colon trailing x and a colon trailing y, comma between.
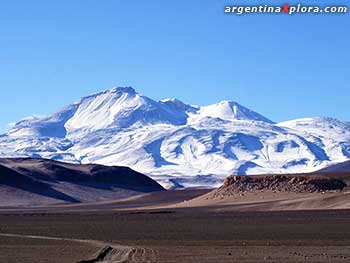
x: 182, y: 226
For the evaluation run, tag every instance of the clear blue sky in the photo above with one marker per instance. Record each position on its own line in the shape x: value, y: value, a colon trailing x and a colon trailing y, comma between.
x: 54, y: 52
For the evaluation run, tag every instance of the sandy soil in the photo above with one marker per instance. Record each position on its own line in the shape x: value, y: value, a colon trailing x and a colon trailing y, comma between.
x: 181, y: 235
x: 22, y: 250
x: 169, y: 227
x: 273, y: 201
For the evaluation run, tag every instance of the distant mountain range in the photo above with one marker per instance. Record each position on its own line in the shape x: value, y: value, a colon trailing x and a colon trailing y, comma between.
x: 177, y: 144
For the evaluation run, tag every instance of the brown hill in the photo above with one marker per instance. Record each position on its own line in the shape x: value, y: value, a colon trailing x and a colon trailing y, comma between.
x: 278, y: 192
x: 32, y: 182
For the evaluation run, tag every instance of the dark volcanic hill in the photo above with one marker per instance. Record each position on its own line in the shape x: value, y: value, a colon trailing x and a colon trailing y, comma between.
x: 337, y: 168
x: 340, y: 171
x: 31, y: 182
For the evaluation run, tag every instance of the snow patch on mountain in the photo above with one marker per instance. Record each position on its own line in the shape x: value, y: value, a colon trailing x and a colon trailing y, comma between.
x: 229, y: 110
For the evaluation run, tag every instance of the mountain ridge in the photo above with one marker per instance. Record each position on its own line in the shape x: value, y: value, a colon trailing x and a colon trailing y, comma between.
x: 177, y: 143
x: 32, y: 182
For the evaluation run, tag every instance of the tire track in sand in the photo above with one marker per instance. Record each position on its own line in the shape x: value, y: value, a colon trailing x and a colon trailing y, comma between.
x: 108, y: 253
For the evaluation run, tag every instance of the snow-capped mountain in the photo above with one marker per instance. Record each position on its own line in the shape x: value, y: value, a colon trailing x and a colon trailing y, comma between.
x: 175, y: 143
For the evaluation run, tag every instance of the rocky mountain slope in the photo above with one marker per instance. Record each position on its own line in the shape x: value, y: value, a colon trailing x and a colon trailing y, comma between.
x: 177, y: 144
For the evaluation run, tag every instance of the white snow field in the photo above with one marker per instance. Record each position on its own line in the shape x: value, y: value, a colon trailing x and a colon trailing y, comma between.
x: 178, y: 145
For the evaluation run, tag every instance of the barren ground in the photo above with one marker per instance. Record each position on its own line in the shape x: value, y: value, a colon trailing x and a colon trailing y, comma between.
x: 154, y: 229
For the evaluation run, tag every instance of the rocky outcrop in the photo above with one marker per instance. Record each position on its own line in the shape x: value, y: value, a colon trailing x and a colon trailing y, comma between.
x: 287, y: 183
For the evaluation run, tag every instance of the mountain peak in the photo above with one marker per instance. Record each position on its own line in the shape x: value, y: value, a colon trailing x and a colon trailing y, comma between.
x: 228, y: 102
x: 109, y: 92
x: 178, y: 105
x: 231, y: 110
x: 129, y: 90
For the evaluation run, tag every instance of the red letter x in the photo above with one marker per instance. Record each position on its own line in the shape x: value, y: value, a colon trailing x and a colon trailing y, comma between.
x: 285, y: 8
